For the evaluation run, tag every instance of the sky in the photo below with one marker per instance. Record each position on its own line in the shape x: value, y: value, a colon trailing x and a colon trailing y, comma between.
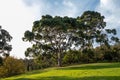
x: 17, y: 16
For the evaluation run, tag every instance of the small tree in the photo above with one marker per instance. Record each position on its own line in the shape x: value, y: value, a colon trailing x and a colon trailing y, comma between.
x: 5, y: 38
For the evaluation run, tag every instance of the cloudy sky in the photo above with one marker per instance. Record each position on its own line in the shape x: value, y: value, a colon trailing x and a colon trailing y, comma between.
x: 17, y: 16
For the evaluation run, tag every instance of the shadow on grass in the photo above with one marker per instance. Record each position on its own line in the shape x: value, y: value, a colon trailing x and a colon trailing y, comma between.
x: 86, y: 67
x: 29, y: 74
x: 36, y: 72
x: 71, y: 78
x: 24, y: 79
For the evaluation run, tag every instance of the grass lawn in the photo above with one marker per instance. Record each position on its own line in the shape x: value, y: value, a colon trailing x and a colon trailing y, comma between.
x: 95, y: 71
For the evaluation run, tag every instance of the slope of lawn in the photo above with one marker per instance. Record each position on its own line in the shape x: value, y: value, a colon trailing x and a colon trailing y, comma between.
x: 95, y: 71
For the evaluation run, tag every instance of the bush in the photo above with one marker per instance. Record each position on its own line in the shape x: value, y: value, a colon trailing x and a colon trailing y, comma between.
x: 3, y: 71
x: 12, y: 66
x: 71, y: 57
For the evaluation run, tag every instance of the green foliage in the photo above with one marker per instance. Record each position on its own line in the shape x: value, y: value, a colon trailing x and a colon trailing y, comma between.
x: 104, y: 53
x: 5, y: 37
x: 50, y: 35
x: 98, y: 54
x: 29, y: 35
x: 72, y: 57
x: 44, y: 60
x: 11, y: 66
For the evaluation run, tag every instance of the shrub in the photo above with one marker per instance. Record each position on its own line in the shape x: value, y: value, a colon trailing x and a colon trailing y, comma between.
x: 72, y: 56
x: 12, y: 66
x: 3, y: 71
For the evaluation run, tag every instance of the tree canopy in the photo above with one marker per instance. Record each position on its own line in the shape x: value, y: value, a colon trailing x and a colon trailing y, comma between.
x: 5, y: 38
x: 56, y: 35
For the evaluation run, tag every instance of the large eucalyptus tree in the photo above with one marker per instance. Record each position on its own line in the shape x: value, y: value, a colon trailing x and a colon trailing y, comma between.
x: 55, y: 35
x: 51, y: 35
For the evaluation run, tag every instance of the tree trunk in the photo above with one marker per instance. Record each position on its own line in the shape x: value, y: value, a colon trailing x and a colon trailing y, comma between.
x: 59, y: 60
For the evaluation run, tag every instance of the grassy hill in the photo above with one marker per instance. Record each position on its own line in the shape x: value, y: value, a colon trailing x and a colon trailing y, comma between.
x: 95, y: 71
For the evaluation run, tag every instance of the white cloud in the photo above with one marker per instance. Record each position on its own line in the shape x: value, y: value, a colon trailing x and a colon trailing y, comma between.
x: 54, y: 8
x: 16, y: 18
x: 110, y: 9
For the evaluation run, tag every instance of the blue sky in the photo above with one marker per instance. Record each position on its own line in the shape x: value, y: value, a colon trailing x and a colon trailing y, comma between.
x: 71, y: 8
x: 18, y: 15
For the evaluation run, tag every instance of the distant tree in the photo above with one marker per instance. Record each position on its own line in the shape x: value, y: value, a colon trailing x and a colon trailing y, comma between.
x: 5, y: 38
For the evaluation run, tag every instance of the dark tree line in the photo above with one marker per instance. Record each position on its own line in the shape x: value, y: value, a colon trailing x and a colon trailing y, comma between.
x: 53, y: 36
x: 98, y: 54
